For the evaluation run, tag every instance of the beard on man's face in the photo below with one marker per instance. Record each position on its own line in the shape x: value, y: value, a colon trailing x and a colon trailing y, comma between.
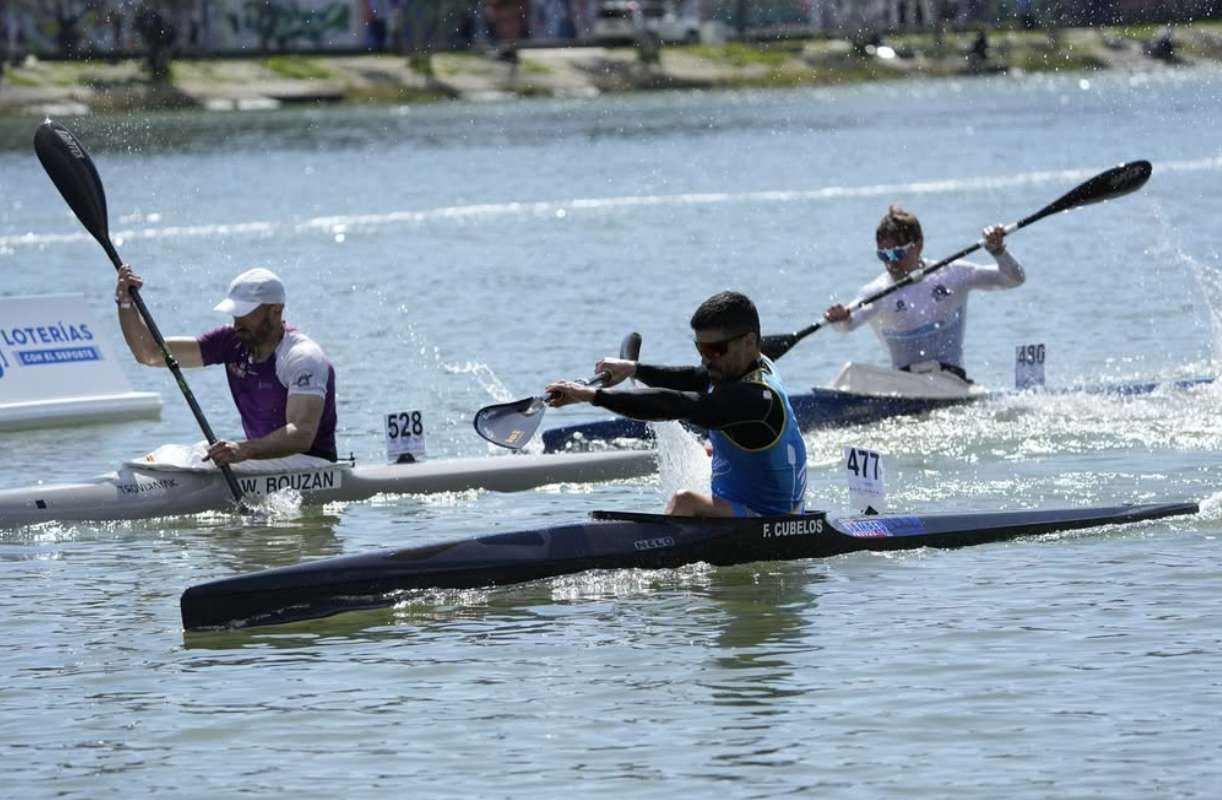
x: 256, y: 334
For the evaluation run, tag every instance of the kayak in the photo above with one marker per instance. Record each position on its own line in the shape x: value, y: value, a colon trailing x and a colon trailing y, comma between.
x: 137, y: 491
x: 860, y: 395
x: 610, y: 540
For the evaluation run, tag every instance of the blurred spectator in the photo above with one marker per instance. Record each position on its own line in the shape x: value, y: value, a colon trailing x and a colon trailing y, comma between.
x: 1026, y: 14
x: 555, y: 20
x: 67, y: 31
x: 376, y: 18
x: 979, y: 51
x: 1162, y: 46
x: 394, y: 26
x: 159, y: 35
x: 509, y: 19
x: 1101, y: 12
x: 487, y: 22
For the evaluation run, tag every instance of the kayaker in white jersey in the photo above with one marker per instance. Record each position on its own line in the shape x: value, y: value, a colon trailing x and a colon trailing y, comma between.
x: 922, y: 324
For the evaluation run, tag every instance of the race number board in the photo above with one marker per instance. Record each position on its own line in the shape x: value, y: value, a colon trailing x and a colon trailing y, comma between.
x: 867, y: 479
x: 405, y: 437
x: 1029, y: 366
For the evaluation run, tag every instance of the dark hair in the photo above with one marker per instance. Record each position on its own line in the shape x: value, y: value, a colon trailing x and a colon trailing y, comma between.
x: 730, y: 311
x: 898, y: 225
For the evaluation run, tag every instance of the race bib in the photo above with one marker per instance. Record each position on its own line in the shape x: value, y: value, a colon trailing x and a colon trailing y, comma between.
x: 867, y: 480
x: 405, y: 437
x: 1029, y: 367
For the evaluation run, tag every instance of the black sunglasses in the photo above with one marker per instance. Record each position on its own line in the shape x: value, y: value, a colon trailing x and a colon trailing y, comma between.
x: 717, y: 349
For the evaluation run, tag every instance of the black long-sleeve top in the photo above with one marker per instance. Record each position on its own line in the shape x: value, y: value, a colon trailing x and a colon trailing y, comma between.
x: 748, y: 411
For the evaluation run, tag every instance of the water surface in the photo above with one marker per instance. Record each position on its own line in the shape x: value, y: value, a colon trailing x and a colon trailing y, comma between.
x: 448, y: 255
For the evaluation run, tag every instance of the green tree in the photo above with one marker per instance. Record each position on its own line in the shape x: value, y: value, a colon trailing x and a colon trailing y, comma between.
x: 157, y: 25
x: 68, y: 17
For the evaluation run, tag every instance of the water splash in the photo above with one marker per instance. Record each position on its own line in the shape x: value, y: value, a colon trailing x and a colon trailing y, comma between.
x: 487, y: 378
x: 1211, y: 507
x: 280, y: 506
x: 1209, y: 280
x: 596, y: 585
x: 683, y: 463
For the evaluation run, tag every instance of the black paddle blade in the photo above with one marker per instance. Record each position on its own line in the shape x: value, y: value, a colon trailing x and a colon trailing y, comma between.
x: 778, y: 344
x: 1107, y: 185
x: 630, y: 348
x: 510, y: 424
x: 73, y: 173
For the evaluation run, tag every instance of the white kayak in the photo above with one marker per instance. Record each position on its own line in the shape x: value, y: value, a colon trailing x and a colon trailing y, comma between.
x: 138, y: 490
x: 865, y: 379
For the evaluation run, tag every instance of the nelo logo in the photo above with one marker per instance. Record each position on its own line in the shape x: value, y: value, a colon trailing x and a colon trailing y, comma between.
x: 70, y: 142
x: 654, y: 544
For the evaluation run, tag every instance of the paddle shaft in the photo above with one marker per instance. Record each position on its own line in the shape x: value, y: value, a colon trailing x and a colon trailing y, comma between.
x: 907, y: 280
x: 1109, y: 184
x: 73, y: 173
x: 172, y: 364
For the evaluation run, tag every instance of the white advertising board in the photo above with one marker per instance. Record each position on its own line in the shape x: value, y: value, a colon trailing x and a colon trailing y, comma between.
x: 56, y: 368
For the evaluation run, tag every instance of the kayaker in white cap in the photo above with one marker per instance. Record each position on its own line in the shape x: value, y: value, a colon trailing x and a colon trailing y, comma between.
x: 281, y: 380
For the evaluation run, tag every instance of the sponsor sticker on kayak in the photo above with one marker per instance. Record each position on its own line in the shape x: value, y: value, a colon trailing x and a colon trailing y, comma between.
x: 315, y: 480
x: 869, y: 527
x: 145, y: 486
x: 659, y: 543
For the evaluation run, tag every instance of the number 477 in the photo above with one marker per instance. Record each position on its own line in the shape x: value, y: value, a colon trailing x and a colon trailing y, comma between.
x: 862, y: 463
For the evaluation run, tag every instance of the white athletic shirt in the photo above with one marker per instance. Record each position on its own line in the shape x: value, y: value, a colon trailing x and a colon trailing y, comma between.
x: 925, y: 321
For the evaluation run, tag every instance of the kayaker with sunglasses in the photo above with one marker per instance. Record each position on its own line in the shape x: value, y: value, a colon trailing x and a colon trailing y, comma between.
x: 759, y: 459
x: 922, y: 324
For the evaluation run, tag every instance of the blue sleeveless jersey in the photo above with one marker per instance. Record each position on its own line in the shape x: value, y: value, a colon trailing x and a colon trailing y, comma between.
x: 772, y: 478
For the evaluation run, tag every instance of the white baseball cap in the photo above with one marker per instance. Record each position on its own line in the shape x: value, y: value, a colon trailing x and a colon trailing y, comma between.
x: 251, y: 289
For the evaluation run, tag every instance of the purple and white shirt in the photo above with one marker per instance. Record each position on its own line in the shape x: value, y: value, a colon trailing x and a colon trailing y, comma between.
x: 261, y: 389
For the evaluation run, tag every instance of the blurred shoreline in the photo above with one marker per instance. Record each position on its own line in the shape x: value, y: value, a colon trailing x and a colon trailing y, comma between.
x: 76, y: 87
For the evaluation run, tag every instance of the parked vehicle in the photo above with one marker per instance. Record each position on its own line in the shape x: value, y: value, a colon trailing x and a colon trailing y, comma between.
x: 622, y: 21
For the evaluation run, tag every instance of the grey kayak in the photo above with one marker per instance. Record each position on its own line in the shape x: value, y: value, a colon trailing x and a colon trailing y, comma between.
x: 135, y: 492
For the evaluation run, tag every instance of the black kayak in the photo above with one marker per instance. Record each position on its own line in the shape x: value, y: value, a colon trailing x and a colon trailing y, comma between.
x: 610, y: 540
x: 823, y: 408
